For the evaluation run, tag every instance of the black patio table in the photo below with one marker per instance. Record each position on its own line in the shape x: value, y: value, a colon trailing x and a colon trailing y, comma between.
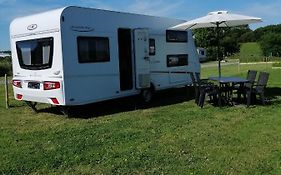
x: 226, y: 86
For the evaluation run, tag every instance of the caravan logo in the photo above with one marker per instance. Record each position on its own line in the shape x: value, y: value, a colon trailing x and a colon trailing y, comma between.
x: 32, y: 27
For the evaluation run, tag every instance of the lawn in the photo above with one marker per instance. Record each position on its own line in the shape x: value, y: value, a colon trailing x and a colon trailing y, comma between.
x: 251, y: 52
x: 169, y: 136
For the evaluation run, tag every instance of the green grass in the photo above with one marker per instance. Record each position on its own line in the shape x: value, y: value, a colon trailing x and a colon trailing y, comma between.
x: 278, y: 64
x: 175, y: 137
x: 229, y: 70
x: 251, y: 49
x: 250, y: 52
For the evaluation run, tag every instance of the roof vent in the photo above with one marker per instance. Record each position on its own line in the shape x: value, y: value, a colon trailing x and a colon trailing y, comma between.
x: 218, y: 12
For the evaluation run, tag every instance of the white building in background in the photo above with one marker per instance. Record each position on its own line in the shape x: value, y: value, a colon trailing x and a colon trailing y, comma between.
x: 3, y: 55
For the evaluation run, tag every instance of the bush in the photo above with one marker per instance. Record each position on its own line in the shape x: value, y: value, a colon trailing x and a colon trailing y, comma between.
x: 5, y: 66
x: 270, y: 44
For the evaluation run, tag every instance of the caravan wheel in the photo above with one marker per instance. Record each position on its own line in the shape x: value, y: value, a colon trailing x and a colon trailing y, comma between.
x: 146, y: 95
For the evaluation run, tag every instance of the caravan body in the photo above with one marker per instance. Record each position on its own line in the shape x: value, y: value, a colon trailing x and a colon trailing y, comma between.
x: 74, y: 56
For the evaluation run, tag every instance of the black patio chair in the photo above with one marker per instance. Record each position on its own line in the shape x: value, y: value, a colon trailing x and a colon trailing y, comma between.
x: 251, y: 76
x: 199, y: 85
x: 212, y: 91
x: 201, y: 81
x: 196, y: 86
x: 258, y: 88
x: 203, y: 88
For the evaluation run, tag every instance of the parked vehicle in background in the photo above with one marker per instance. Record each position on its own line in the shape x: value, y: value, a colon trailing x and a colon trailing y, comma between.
x: 202, y: 54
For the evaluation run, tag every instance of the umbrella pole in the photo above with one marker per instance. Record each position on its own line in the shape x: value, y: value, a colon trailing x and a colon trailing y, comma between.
x: 218, y: 48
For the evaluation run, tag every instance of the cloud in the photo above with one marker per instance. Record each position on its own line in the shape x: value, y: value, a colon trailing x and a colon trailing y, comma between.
x: 15, y: 9
x: 7, y: 2
x: 11, y: 9
x: 269, y: 12
x: 148, y: 7
x: 156, y: 7
x: 96, y: 4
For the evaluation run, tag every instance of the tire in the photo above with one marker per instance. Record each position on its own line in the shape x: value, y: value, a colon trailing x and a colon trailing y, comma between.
x: 146, y: 95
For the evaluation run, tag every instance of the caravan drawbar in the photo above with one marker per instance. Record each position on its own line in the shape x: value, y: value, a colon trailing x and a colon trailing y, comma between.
x: 75, y: 56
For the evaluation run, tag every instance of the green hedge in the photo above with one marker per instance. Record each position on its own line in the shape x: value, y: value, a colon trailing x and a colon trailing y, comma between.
x: 5, y: 66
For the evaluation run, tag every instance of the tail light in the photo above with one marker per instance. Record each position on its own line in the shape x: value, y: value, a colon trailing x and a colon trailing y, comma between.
x: 19, y: 96
x: 17, y: 83
x: 49, y: 85
x: 55, y: 101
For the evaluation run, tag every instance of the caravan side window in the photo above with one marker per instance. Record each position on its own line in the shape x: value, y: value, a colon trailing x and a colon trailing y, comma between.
x: 93, y: 49
x: 177, y: 60
x: 152, y: 46
x: 176, y: 36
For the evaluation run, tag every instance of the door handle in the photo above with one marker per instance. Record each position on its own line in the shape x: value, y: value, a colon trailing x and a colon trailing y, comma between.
x: 146, y: 58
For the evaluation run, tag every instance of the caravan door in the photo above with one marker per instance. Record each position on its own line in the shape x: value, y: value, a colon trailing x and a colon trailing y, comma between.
x: 142, y: 62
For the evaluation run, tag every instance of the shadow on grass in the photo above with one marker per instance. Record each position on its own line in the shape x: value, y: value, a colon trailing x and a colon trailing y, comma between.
x: 273, y: 95
x: 161, y: 98
x: 273, y: 91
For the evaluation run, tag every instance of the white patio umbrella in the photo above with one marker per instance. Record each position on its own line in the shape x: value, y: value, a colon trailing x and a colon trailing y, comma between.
x: 217, y: 19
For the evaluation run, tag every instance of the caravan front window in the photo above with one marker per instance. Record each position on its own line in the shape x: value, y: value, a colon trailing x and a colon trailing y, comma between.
x: 35, y: 54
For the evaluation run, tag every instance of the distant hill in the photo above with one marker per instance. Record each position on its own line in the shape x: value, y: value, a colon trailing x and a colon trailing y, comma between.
x: 251, y: 48
x: 252, y: 52
x: 249, y: 52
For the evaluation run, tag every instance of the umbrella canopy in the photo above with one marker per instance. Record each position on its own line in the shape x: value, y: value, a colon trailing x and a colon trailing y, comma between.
x: 217, y: 19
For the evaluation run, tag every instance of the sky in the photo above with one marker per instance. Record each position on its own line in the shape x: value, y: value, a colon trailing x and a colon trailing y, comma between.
x: 268, y: 10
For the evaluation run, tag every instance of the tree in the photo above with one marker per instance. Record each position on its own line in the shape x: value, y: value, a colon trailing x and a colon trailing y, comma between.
x: 247, y: 37
x: 269, y: 38
x: 230, y: 45
x: 260, y: 32
x: 270, y: 44
x: 206, y: 38
x: 228, y: 40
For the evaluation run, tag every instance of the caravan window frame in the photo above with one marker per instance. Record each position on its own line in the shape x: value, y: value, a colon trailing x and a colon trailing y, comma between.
x: 35, y: 46
x: 152, y: 47
x: 176, y: 36
x: 179, y: 60
x: 92, y: 50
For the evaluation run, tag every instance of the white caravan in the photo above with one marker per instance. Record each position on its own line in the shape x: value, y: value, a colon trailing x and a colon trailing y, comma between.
x: 75, y: 56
